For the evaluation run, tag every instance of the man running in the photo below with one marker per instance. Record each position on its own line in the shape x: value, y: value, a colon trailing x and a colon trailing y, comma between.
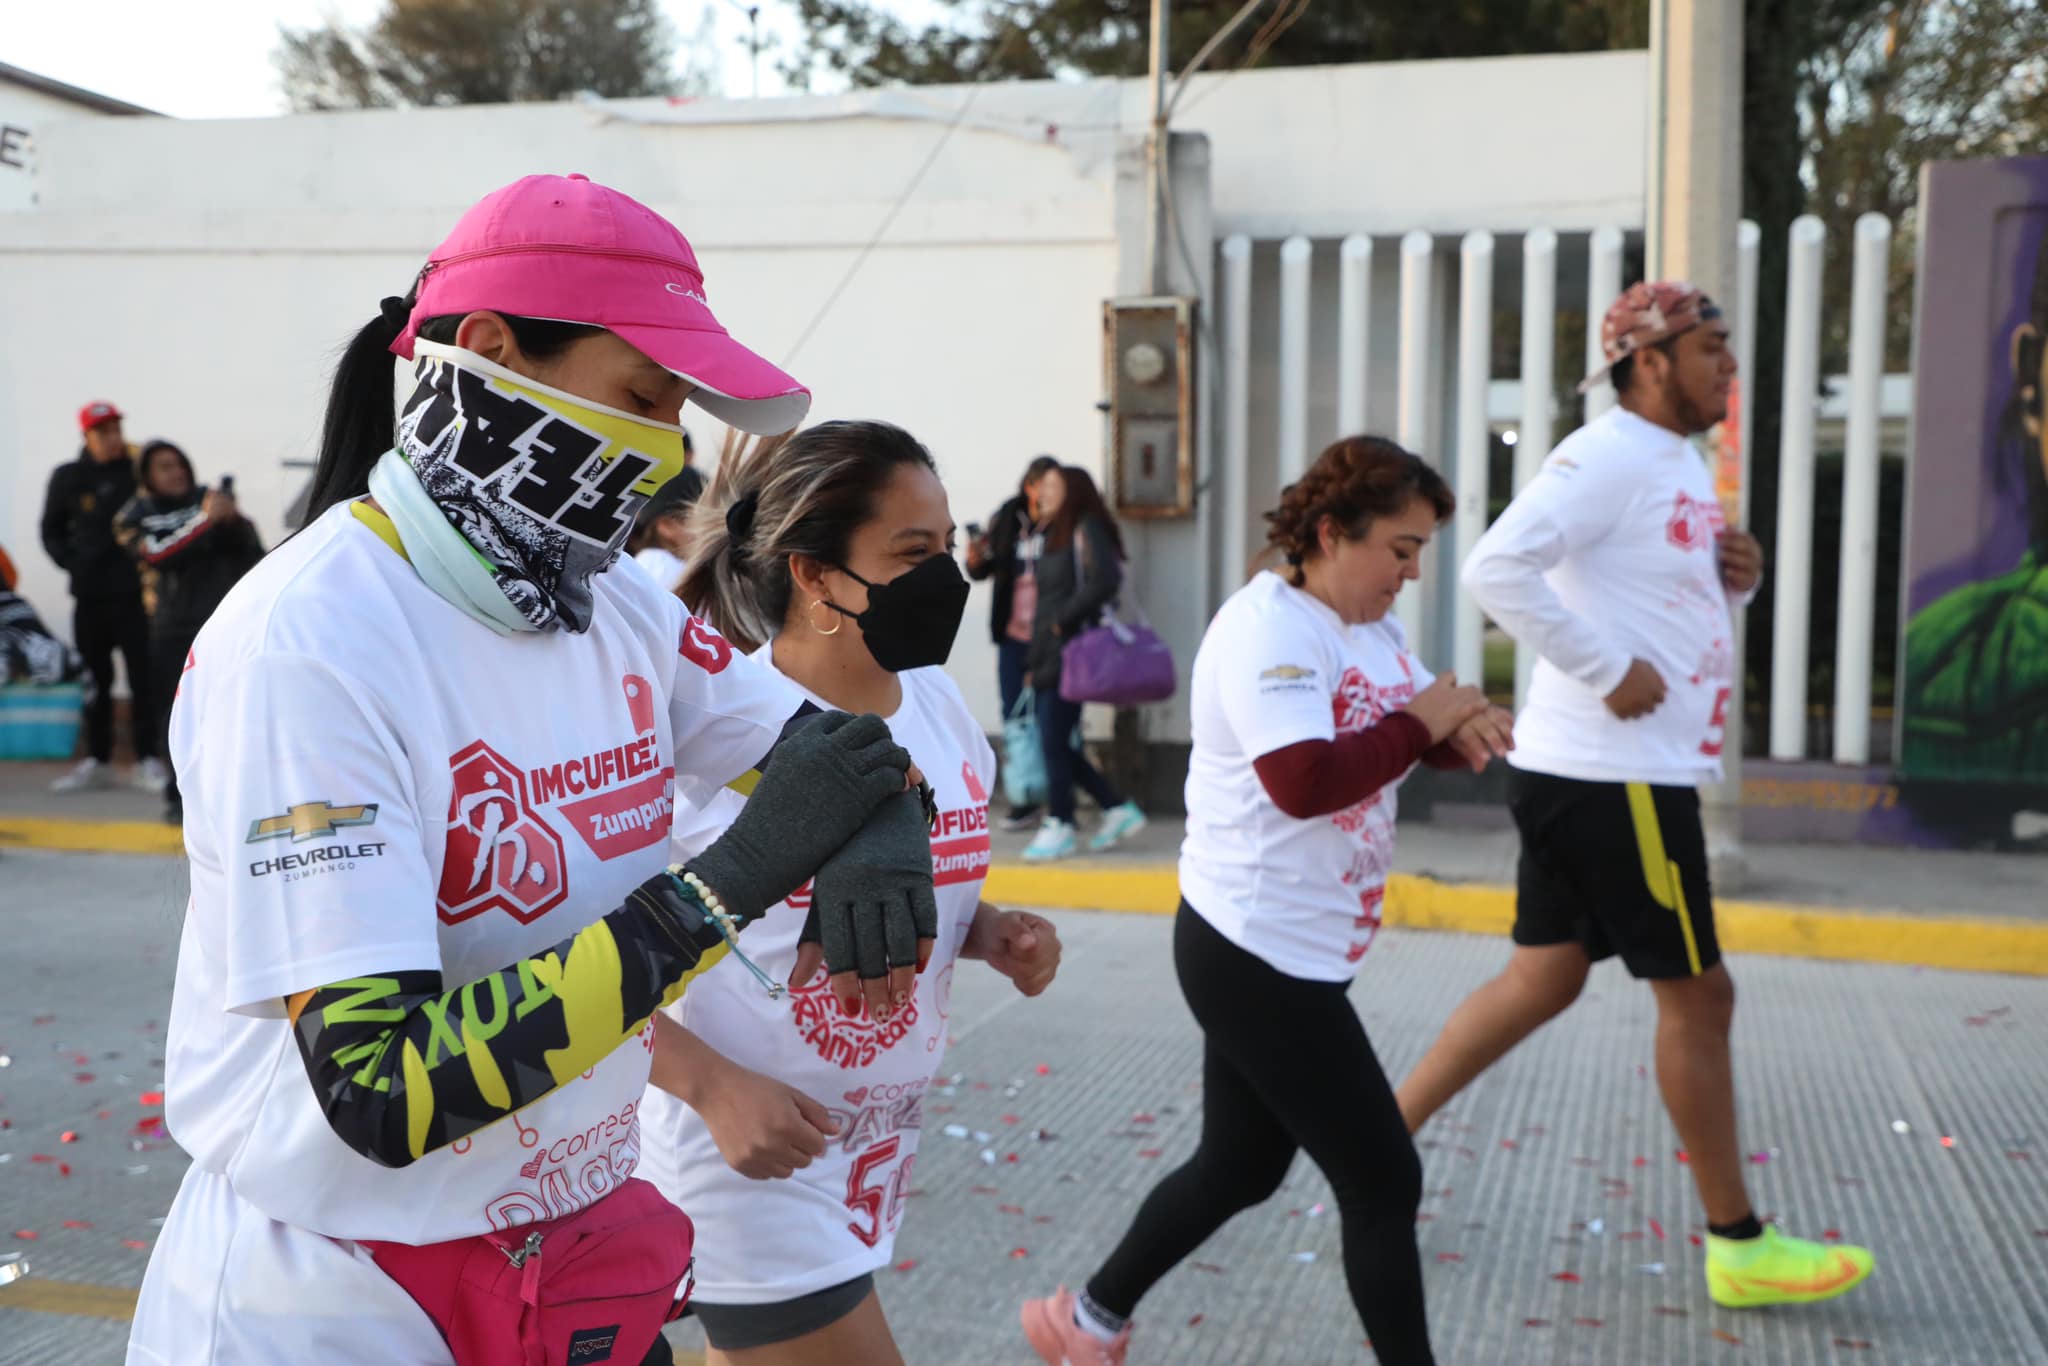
x: 1615, y: 565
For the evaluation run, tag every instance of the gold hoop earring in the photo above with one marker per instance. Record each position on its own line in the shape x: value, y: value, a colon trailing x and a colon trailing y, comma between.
x: 838, y: 622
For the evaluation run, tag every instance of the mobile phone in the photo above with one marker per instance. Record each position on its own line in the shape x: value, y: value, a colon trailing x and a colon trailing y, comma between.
x: 974, y: 531
x: 227, y: 485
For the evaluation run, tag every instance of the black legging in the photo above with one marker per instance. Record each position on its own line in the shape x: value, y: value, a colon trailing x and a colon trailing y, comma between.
x: 1285, y: 1066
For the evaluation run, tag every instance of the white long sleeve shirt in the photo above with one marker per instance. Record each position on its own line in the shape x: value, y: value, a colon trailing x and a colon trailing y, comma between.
x: 1608, y: 556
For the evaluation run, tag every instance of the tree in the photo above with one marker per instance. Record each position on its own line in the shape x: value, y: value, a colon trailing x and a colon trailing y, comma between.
x: 448, y: 52
x: 995, y: 40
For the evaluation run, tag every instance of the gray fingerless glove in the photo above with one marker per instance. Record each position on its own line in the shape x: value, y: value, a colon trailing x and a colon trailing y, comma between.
x: 818, y: 787
x: 873, y: 899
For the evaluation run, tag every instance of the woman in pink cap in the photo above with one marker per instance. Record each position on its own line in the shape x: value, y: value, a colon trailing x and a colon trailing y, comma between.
x: 433, y: 749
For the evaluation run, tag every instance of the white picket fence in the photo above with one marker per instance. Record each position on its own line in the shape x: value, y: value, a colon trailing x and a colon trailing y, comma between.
x: 1869, y: 399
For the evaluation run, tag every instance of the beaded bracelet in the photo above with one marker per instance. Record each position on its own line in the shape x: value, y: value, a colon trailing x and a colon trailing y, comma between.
x: 707, y: 900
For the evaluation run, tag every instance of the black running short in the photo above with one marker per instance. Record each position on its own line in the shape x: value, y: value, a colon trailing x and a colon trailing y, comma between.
x: 737, y: 1327
x: 1619, y: 868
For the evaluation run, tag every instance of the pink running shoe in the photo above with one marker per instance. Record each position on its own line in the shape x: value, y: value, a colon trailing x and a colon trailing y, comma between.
x: 1059, y: 1341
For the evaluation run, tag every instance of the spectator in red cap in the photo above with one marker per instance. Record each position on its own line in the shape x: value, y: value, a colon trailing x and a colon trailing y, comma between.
x: 78, y: 533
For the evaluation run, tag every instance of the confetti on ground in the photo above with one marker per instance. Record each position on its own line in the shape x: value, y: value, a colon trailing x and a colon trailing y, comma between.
x: 907, y: 1264
x: 27, y: 1235
x: 1317, y: 1210
x: 1652, y: 1269
x: 1684, y: 1157
x: 1854, y: 1344
x: 1657, y: 1229
x: 1729, y: 1338
x: 43, y: 1019
x: 78, y: 1223
x: 1141, y: 1118
x: 1568, y: 1277
x: 1450, y: 1256
x: 1698, y: 1241
x: 1195, y: 1321
x: 1009, y: 1209
x: 84, y: 1078
x: 1832, y: 1235
x: 1535, y: 1323
x: 984, y: 1190
x: 988, y: 1157
x: 152, y: 1097
x: 1899, y: 1126
x: 1673, y: 1312
x: 1149, y: 1152
x: 1589, y: 1323
x: 68, y: 1136
x: 1947, y: 1141
x: 1044, y: 1071
x: 1304, y: 1257
x: 1013, y: 1119
x: 1019, y: 1253
x: 1509, y: 1144
x: 1596, y: 1227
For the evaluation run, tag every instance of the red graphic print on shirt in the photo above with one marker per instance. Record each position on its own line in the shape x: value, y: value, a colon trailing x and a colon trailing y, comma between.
x: 500, y: 855
x: 1693, y: 524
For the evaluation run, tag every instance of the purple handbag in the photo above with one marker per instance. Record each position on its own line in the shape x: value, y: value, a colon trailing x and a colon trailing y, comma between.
x: 1122, y: 663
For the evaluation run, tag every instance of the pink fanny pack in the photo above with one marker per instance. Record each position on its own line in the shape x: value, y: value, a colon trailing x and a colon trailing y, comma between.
x: 594, y: 1286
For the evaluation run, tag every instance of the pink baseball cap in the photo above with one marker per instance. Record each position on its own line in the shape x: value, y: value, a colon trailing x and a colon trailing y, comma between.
x: 1648, y: 311
x: 564, y: 248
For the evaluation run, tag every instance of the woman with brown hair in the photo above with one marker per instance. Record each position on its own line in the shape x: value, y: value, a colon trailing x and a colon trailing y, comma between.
x: 1080, y: 570
x: 1309, y: 709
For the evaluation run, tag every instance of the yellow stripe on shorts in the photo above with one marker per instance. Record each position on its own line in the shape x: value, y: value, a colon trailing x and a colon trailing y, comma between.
x: 1659, y: 872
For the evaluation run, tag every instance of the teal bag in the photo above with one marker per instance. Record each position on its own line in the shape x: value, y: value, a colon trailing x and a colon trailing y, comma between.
x: 1023, y: 761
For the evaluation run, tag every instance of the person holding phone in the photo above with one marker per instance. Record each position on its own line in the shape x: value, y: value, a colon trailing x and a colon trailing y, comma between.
x: 192, y: 545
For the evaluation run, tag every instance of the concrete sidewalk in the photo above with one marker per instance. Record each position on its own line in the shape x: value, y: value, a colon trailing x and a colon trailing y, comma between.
x: 1558, y: 1228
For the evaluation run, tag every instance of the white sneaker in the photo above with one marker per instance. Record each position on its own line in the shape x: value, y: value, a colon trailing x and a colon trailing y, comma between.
x: 87, y: 773
x: 1054, y: 840
x: 1117, y: 826
x: 150, y: 775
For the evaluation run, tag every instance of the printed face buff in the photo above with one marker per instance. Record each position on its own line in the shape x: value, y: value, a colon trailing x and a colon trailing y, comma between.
x: 543, y: 485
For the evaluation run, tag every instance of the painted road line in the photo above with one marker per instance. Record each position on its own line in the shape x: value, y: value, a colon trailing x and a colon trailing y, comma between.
x: 112, y: 1302
x: 70, y: 1297
x: 1966, y: 943
x: 92, y: 837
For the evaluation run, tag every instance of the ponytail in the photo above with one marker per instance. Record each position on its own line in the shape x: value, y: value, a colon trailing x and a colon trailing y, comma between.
x: 361, y: 423
x: 722, y: 520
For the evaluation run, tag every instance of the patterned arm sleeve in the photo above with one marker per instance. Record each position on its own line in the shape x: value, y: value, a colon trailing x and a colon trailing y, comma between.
x: 403, y: 1066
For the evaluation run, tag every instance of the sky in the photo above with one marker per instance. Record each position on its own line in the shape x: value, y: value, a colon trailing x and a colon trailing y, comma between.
x: 212, y: 58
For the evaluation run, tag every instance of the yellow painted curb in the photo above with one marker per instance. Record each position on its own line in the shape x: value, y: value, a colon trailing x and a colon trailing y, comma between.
x: 1972, y: 944
x: 70, y: 1297
x: 96, y: 837
x: 1979, y: 944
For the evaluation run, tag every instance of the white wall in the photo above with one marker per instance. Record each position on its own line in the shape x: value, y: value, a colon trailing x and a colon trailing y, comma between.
x: 202, y: 274
x: 22, y: 112
x: 214, y: 318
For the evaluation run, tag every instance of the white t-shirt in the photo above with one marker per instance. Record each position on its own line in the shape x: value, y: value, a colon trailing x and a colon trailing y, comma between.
x: 1278, y: 667
x: 375, y: 782
x: 663, y: 565
x: 1609, y: 555
x: 762, y: 1242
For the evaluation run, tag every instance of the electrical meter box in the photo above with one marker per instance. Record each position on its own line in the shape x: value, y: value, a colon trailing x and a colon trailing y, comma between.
x: 1148, y: 349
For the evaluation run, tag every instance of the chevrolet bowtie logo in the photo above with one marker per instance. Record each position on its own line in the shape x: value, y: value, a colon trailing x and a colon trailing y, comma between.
x: 311, y: 821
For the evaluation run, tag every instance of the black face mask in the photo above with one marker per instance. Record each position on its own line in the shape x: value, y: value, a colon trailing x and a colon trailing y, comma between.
x: 911, y: 620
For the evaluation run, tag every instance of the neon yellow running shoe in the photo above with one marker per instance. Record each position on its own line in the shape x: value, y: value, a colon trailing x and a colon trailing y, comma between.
x: 1775, y: 1269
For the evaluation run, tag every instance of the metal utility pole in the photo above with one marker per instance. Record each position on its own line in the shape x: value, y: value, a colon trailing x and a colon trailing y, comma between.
x: 1156, y: 152
x: 1694, y: 203
x: 753, y: 13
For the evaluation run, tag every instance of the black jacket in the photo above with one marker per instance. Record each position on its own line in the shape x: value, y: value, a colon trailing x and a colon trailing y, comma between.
x: 78, y: 526
x: 1072, y: 591
x: 188, y: 563
x: 1007, y: 532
